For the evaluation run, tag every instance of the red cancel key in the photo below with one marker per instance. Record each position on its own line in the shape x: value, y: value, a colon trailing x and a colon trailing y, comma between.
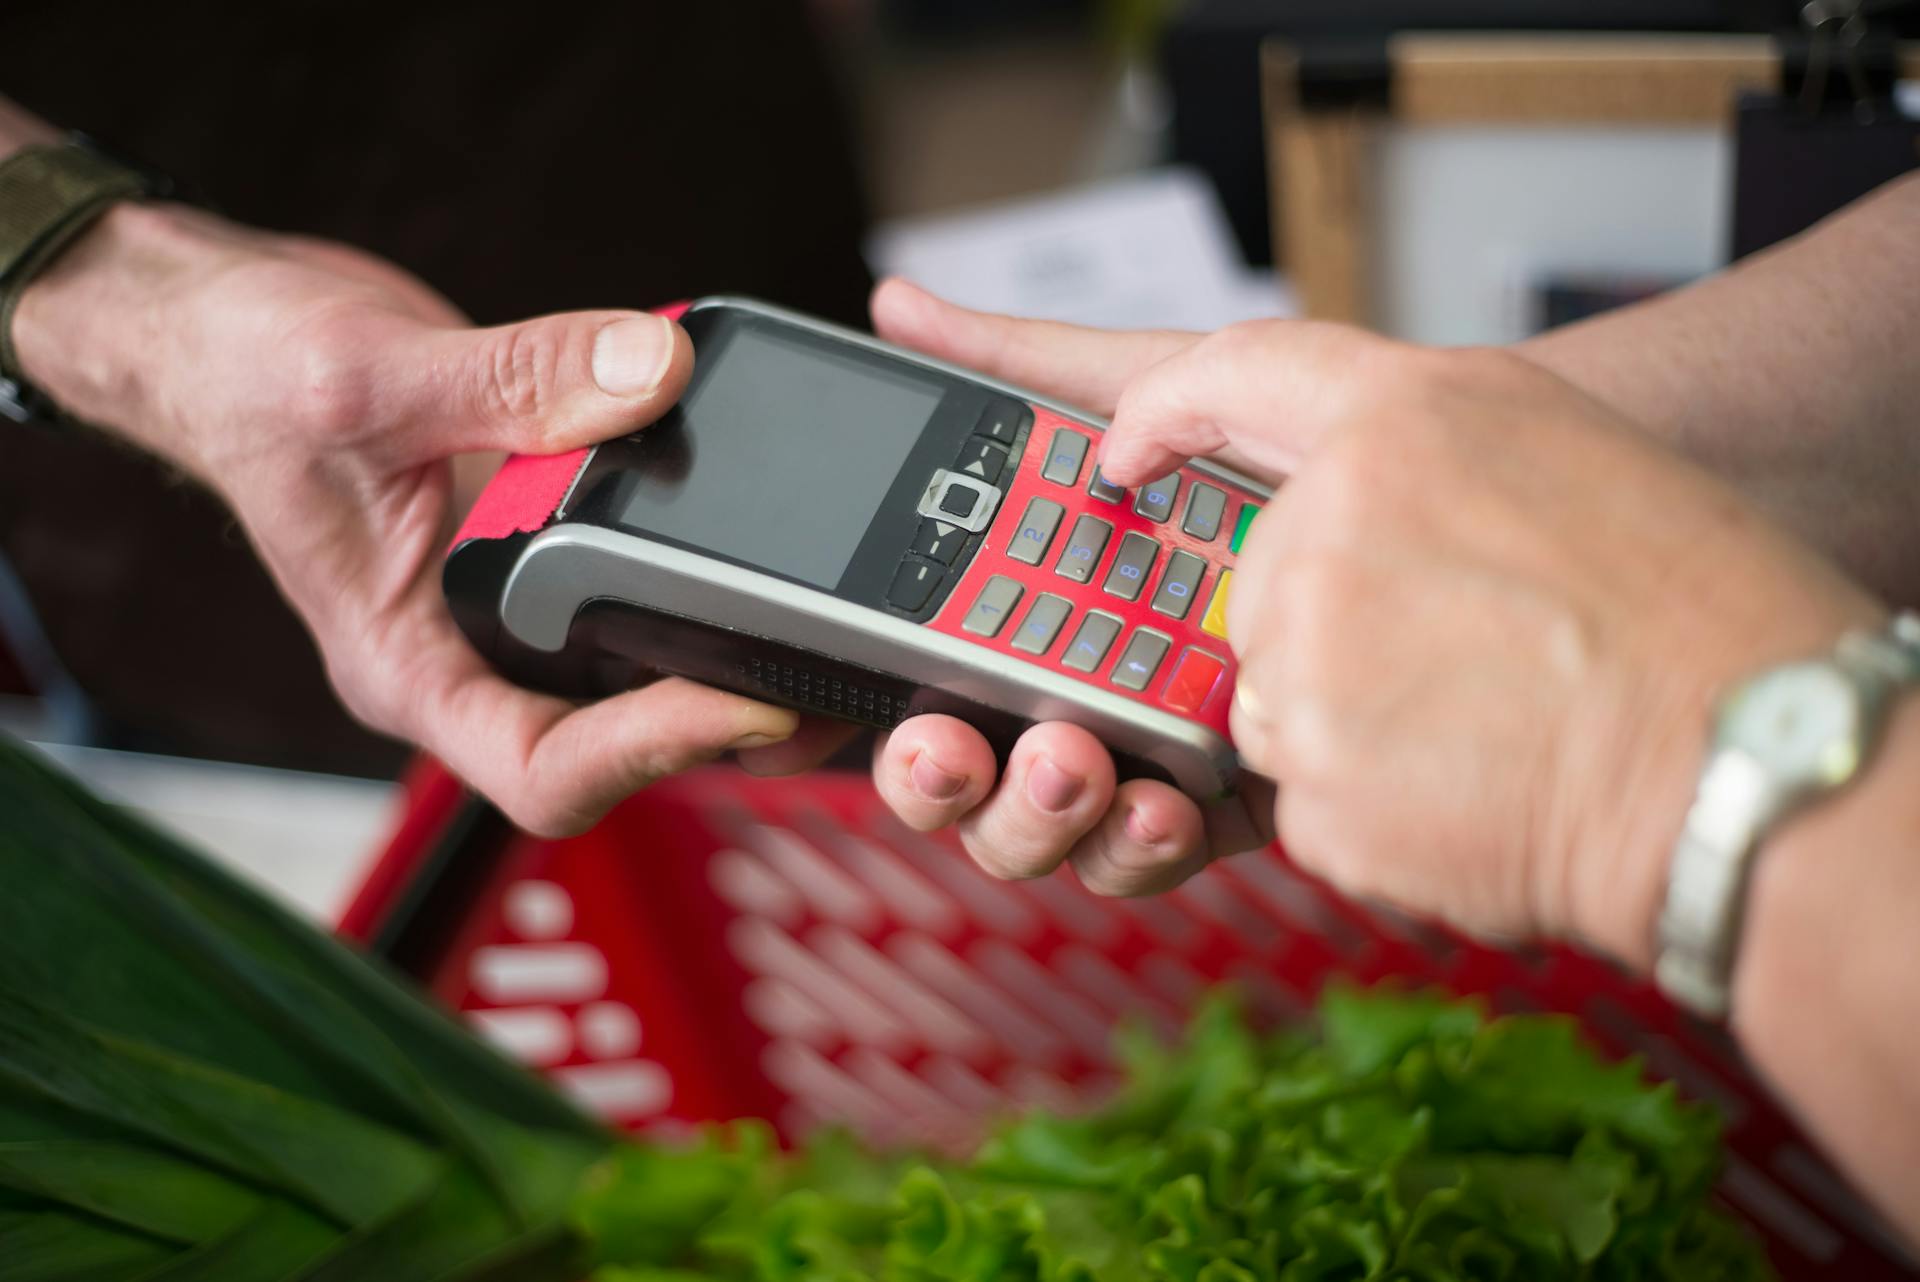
x: 1193, y: 681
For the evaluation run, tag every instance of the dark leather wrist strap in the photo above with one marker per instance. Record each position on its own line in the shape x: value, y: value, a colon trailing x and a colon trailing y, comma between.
x: 49, y: 194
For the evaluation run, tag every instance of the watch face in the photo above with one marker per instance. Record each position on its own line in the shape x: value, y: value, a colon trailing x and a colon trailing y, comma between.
x: 1800, y: 721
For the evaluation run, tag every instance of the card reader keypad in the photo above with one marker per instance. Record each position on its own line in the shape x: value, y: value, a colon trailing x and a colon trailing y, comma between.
x: 1160, y: 557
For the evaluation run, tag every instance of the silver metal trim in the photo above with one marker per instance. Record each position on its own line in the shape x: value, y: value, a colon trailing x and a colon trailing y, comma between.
x: 987, y: 500
x: 565, y: 567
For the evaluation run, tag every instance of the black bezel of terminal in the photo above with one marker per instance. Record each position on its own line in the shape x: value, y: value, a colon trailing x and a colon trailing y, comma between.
x: 966, y: 410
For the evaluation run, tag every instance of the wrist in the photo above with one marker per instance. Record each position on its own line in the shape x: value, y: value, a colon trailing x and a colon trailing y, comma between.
x: 1820, y: 882
x: 92, y: 330
x: 21, y: 128
x: 1622, y: 885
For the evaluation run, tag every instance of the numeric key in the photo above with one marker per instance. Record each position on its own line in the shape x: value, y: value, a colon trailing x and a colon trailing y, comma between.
x: 1174, y: 596
x: 1042, y: 624
x: 1083, y: 550
x: 1131, y: 566
x: 1064, y: 457
x: 1155, y: 499
x: 1103, y: 489
x: 1090, y: 644
x: 1030, y: 541
x: 992, y: 606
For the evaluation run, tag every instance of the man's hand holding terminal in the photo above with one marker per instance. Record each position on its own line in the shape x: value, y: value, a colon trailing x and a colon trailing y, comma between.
x: 326, y: 396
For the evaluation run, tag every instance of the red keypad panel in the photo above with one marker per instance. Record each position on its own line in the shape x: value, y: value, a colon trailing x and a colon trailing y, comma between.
x: 1121, y: 589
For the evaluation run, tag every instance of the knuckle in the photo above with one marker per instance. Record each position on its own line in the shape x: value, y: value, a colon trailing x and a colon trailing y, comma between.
x: 543, y: 817
x: 1304, y: 734
x: 1333, y: 499
x: 519, y: 371
x: 1144, y: 401
x: 1486, y: 367
x: 360, y: 702
x: 365, y: 686
x: 1406, y: 372
x: 920, y: 814
x: 1134, y: 397
x: 1308, y: 724
x: 1010, y: 852
x: 333, y: 387
x: 1369, y: 473
x: 1129, y: 865
x: 1241, y: 340
x: 550, y: 804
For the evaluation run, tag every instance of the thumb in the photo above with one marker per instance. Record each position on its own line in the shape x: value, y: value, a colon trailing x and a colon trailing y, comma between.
x: 1081, y: 366
x: 1264, y: 392
x: 539, y: 386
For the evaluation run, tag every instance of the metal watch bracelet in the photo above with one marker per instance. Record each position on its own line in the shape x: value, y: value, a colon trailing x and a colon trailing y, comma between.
x: 1739, y: 801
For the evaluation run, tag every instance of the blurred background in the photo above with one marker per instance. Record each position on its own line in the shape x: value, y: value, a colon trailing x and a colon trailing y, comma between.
x: 1464, y: 171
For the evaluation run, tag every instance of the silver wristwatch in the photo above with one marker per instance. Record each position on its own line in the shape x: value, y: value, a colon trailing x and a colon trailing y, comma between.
x: 1781, y: 739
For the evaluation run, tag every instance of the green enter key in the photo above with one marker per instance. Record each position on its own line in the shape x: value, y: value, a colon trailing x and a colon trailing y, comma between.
x: 1240, y: 527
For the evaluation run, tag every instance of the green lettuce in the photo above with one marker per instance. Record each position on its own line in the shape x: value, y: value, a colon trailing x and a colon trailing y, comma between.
x: 1413, y: 1138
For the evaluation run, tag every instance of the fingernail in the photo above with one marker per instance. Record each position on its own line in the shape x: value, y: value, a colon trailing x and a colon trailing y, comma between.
x: 632, y: 356
x: 1141, y: 829
x: 1051, y: 788
x: 932, y: 781
x: 756, y: 739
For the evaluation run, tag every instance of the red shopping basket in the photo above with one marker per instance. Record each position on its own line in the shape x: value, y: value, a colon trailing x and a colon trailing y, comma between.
x: 725, y: 946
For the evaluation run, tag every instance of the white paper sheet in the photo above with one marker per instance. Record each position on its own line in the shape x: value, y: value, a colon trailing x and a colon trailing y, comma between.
x: 1150, y: 250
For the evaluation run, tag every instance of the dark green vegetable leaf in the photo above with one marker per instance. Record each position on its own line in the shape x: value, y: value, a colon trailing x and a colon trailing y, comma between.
x: 140, y: 1188
x: 195, y: 1085
x: 47, y: 1244
x: 1416, y: 1139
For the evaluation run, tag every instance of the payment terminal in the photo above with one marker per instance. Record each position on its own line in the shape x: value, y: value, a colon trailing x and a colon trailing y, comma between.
x: 854, y: 530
